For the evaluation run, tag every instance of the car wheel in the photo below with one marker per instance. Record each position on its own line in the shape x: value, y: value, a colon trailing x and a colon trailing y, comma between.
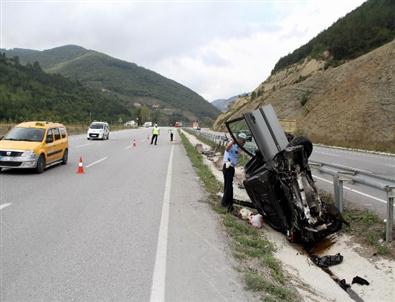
x: 65, y: 157
x: 108, y: 136
x: 1, y: 169
x: 40, y: 164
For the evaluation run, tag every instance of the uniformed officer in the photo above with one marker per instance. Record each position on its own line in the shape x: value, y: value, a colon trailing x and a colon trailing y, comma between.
x: 231, y: 157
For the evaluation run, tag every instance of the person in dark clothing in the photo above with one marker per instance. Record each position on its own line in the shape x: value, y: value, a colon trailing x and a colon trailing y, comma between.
x: 231, y: 156
x: 171, y: 134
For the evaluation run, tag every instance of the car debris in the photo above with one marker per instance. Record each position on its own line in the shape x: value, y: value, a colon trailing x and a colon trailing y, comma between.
x: 326, y: 261
x: 256, y: 221
x: 279, y: 181
x: 245, y: 213
x: 360, y: 281
x: 344, y: 285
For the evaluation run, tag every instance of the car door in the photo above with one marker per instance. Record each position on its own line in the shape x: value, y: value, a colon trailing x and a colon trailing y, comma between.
x: 58, y: 144
x: 50, y: 146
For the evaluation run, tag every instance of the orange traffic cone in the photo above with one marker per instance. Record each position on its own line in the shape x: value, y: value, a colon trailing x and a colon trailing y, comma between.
x: 134, y: 143
x: 80, y: 167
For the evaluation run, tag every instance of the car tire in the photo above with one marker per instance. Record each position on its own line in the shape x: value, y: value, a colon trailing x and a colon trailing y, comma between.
x: 65, y: 157
x: 1, y: 169
x: 40, y: 164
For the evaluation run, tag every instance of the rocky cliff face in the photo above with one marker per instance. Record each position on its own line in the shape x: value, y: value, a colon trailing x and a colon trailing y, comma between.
x: 352, y: 105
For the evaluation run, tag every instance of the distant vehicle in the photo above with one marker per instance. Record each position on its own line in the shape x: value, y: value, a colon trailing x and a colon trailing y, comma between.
x: 98, y: 130
x: 35, y: 145
x: 178, y: 124
x: 131, y: 124
x: 147, y: 124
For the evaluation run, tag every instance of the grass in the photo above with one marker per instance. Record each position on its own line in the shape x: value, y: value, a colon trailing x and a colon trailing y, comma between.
x: 262, y: 272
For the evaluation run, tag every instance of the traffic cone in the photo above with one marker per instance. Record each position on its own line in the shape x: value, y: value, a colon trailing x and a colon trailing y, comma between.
x: 134, y: 143
x: 80, y: 167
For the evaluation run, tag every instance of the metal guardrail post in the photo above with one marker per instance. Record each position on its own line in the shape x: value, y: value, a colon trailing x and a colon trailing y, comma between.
x: 390, y: 213
x: 338, y: 192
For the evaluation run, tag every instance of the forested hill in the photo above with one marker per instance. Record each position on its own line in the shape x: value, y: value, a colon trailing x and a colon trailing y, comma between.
x: 136, y: 86
x: 28, y: 93
x: 367, y: 27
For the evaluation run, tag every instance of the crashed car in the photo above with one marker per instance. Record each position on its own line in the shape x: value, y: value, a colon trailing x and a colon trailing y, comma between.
x: 279, y: 181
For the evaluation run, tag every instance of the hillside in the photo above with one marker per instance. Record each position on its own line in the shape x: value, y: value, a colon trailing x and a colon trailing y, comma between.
x: 352, y: 105
x: 165, y: 99
x: 28, y: 93
x: 223, y: 104
x: 362, y: 30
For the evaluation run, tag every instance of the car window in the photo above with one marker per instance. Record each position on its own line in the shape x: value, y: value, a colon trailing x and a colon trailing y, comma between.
x: 56, y: 133
x: 63, y: 132
x: 239, y: 126
x: 25, y: 134
x: 49, y: 136
x: 96, y: 126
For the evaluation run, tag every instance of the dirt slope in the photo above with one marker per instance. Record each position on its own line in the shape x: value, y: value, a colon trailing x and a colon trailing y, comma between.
x: 352, y: 105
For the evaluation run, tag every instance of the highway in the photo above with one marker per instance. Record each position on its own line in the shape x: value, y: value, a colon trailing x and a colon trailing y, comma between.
x: 134, y: 227
x: 356, y: 195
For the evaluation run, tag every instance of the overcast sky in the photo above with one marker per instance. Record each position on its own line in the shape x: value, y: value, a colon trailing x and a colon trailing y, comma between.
x: 217, y: 48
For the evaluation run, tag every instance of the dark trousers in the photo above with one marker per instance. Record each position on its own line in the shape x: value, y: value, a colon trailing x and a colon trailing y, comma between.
x: 227, y: 199
x: 171, y: 137
x: 154, y: 137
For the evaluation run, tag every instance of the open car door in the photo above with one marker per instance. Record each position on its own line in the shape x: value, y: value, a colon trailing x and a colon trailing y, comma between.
x: 278, y: 178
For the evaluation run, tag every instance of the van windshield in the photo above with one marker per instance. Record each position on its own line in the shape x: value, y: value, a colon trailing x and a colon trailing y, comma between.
x: 97, y: 126
x: 25, y: 134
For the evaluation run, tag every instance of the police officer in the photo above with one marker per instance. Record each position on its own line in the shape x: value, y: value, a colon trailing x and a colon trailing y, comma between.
x: 231, y: 157
x: 155, y: 134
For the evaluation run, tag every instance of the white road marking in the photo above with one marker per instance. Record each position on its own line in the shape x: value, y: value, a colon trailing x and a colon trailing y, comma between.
x: 4, y: 205
x: 81, y: 146
x: 159, y: 275
x: 128, y: 147
x: 96, y: 162
x: 353, y: 190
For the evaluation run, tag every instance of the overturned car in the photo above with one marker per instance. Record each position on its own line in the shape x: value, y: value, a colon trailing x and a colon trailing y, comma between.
x: 279, y: 181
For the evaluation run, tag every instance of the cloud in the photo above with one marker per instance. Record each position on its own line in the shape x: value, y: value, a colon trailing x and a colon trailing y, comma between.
x: 218, y: 49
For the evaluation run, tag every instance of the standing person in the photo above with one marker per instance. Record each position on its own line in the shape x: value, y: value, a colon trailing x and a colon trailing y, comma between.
x: 171, y: 134
x: 231, y: 157
x: 155, y: 134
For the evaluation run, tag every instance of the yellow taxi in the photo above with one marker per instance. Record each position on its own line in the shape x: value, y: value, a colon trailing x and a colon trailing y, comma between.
x: 34, y: 145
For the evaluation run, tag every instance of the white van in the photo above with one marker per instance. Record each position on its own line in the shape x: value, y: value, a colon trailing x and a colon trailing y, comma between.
x: 98, y: 130
x: 147, y: 124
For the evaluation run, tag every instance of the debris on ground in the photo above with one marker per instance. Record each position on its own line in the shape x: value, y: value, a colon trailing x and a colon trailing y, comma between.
x: 245, y: 213
x: 360, y: 281
x: 256, y: 221
x: 199, y: 148
x: 344, y: 285
x: 326, y: 261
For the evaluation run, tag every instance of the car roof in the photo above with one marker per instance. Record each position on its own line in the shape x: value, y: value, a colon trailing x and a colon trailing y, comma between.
x: 40, y: 124
x: 99, y: 123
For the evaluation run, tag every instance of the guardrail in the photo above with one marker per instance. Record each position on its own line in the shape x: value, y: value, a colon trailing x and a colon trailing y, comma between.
x: 340, y: 175
x: 353, y: 176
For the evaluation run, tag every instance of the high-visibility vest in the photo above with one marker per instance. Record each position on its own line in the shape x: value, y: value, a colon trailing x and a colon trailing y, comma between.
x: 155, y: 131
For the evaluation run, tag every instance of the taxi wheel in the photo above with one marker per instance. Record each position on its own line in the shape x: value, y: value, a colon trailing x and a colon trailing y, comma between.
x: 65, y: 157
x: 40, y: 164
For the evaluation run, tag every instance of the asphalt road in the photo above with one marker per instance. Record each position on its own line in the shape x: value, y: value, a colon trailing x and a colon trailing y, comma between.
x: 134, y: 227
x: 357, y: 195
